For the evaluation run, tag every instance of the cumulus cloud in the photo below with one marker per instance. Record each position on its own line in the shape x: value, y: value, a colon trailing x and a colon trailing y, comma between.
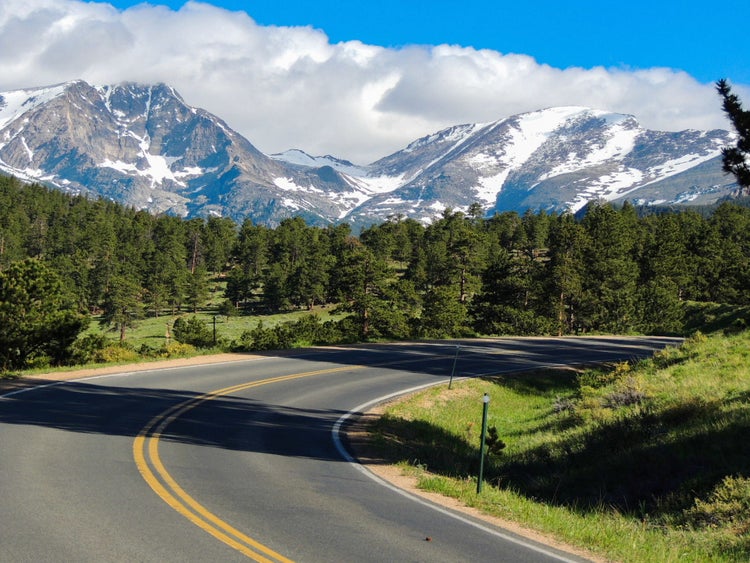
x: 290, y: 87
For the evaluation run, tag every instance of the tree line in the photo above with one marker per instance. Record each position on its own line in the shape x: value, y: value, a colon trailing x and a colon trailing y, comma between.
x: 609, y: 270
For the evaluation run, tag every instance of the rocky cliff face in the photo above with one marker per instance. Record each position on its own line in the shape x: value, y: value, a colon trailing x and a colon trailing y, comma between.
x: 145, y: 147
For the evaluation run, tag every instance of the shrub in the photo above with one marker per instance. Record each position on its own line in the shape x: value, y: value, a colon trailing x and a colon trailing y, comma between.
x: 626, y: 393
x: 668, y: 356
x: 146, y: 351
x: 596, y: 378
x: 330, y: 333
x: 739, y: 325
x: 227, y: 308
x: 177, y: 350
x: 696, y: 338
x: 116, y: 353
x: 304, y: 332
x: 259, y: 338
x: 728, y: 505
x: 495, y: 445
x: 307, y: 329
x: 193, y: 331
x: 85, y: 349
x: 39, y: 361
x: 563, y: 404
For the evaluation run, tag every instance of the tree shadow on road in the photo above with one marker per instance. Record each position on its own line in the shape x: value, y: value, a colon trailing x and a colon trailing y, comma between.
x: 226, y: 422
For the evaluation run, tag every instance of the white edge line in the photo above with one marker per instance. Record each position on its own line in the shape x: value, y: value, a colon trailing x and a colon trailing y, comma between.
x: 27, y: 389
x: 336, y: 434
x: 134, y: 372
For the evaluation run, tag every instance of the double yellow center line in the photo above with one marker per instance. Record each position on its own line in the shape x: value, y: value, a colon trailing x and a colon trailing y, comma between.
x: 146, y: 455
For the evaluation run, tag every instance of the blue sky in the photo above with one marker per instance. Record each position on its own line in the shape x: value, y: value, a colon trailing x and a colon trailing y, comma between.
x: 360, y: 80
x: 689, y: 35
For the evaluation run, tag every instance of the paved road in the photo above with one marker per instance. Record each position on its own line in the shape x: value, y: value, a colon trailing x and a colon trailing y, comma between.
x: 237, y: 460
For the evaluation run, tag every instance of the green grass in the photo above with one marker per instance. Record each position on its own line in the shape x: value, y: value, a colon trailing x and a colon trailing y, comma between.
x: 638, y: 463
x: 151, y: 331
x: 147, y: 340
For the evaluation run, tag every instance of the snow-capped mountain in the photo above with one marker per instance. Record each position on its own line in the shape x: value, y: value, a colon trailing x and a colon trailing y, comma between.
x: 145, y: 147
x: 553, y: 159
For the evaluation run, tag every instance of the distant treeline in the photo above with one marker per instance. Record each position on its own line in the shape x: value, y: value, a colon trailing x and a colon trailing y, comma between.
x: 611, y: 270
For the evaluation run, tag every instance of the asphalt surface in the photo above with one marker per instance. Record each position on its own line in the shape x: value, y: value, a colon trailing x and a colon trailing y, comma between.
x: 145, y: 466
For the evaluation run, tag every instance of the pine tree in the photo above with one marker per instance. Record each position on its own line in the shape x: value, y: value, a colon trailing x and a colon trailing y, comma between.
x: 727, y: 254
x: 362, y: 283
x: 454, y: 249
x: 565, y: 272
x: 611, y: 274
x: 123, y: 304
x: 218, y: 236
x: 249, y: 258
x: 310, y: 278
x: 506, y: 302
x: 168, y: 273
x: 197, y: 290
x: 735, y: 159
x: 443, y: 314
x: 37, y: 317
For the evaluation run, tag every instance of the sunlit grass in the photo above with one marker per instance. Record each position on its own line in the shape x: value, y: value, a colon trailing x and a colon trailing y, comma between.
x: 152, y: 331
x: 627, y: 461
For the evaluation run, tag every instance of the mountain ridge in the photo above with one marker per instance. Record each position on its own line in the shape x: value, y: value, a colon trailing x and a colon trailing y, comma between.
x: 144, y: 146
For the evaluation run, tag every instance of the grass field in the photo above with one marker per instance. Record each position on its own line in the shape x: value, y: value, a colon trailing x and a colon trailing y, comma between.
x: 148, y: 341
x: 641, y: 463
x: 151, y: 331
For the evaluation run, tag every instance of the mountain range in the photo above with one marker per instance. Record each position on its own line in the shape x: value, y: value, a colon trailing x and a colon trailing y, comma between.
x: 143, y: 146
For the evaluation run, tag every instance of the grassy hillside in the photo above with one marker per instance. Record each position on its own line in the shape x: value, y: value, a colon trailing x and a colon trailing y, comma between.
x: 646, y: 462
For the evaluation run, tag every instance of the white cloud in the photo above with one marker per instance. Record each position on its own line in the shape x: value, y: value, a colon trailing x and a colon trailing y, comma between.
x: 286, y: 87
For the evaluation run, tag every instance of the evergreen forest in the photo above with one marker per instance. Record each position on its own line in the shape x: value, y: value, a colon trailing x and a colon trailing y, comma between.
x: 67, y: 262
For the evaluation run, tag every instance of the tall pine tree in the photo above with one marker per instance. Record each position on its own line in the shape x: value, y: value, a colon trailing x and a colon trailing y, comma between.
x: 735, y: 159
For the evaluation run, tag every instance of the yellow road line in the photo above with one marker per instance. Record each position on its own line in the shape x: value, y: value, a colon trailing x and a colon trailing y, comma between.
x: 146, y: 455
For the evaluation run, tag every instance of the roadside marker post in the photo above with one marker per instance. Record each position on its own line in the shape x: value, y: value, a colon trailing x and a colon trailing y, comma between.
x: 485, y: 406
x: 453, y: 371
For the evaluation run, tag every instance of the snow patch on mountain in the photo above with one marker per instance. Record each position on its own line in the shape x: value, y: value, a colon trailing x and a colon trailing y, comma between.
x: 378, y: 184
x: 524, y: 135
x: 490, y: 186
x: 533, y: 130
x: 360, y: 178
x: 620, y: 141
x: 301, y: 158
x: 454, y: 135
x: 289, y: 185
x: 15, y: 103
x: 678, y: 165
x: 457, y: 136
x: 607, y: 187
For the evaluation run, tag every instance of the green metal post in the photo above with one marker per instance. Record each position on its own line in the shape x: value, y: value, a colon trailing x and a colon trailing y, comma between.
x: 486, y: 401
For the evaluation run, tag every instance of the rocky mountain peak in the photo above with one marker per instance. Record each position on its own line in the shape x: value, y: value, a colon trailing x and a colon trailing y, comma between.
x: 144, y: 146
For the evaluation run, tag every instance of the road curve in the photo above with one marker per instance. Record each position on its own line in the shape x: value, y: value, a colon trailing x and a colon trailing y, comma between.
x: 238, y: 460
